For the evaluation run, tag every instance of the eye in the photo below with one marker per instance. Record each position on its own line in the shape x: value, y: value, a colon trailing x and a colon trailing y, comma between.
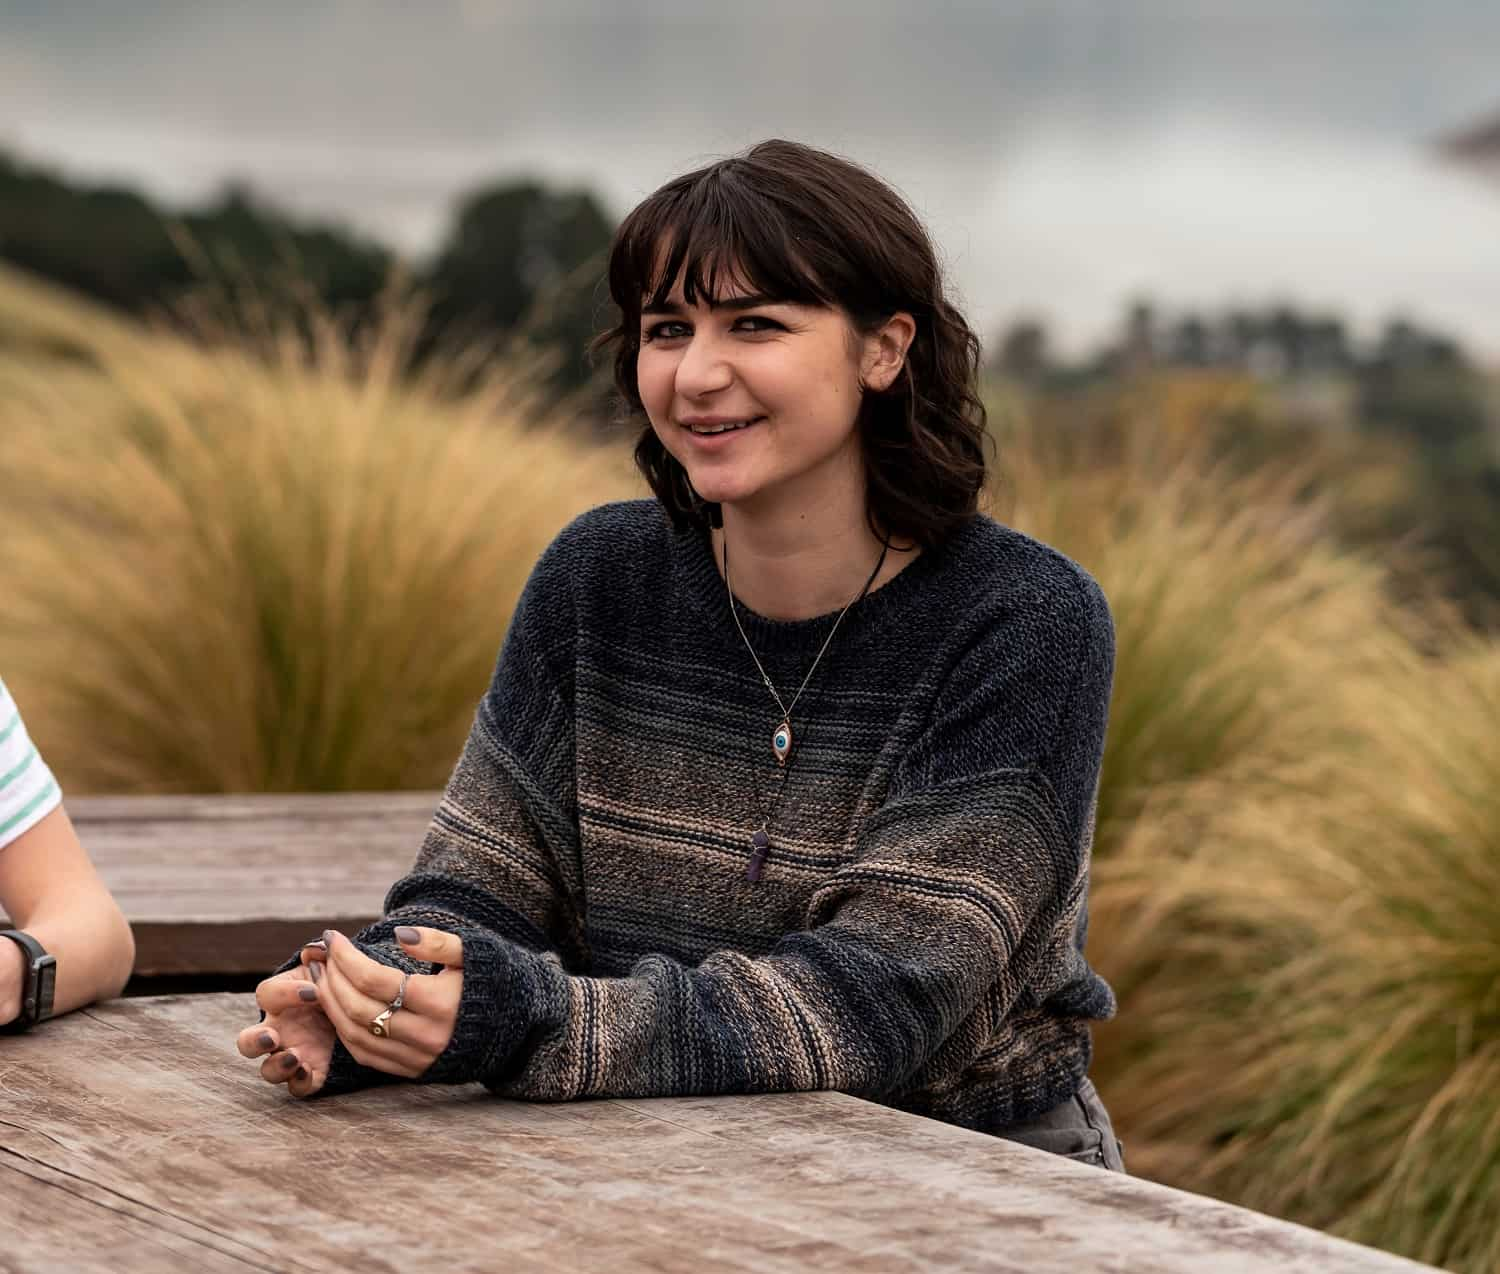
x: 758, y: 323
x: 667, y: 331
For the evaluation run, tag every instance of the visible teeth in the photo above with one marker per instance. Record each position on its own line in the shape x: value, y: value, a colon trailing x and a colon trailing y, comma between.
x: 720, y: 429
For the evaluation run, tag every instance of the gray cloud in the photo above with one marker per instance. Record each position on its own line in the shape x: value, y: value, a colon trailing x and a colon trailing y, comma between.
x: 1045, y: 126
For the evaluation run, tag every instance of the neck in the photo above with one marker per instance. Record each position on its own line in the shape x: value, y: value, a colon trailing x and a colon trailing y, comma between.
x: 802, y: 565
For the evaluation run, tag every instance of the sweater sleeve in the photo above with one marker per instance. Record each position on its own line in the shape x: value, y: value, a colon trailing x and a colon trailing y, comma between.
x: 504, y: 838
x: 502, y: 848
x: 948, y: 910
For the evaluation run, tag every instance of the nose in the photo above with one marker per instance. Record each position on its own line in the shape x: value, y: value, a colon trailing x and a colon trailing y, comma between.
x: 702, y: 369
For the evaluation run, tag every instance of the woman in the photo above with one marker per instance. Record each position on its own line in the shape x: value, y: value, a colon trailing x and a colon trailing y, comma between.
x: 67, y: 943
x: 785, y: 779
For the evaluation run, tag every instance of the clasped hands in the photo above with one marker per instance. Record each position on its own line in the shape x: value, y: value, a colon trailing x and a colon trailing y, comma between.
x: 337, y: 991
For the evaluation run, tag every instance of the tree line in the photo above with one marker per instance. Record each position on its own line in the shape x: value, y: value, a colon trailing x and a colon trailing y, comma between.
x: 1407, y: 385
x: 518, y: 255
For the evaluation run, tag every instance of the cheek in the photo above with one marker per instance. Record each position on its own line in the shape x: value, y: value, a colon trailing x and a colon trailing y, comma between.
x: 840, y: 392
x: 654, y: 380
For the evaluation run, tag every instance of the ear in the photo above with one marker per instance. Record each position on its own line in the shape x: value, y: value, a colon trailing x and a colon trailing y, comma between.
x: 884, y: 351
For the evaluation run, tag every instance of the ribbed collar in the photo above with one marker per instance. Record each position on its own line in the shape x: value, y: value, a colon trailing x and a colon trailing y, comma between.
x: 867, y: 619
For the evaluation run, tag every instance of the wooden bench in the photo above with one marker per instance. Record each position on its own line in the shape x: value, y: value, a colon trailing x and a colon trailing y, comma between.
x: 232, y: 885
x: 134, y: 1138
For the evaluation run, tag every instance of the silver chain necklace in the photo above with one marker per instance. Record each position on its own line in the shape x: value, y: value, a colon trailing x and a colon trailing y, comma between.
x: 781, y: 736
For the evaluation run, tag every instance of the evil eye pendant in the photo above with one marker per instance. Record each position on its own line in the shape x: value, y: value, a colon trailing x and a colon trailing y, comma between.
x: 781, y: 741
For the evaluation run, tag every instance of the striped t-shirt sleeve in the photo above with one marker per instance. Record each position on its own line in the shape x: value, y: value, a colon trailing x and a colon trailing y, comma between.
x: 28, y: 792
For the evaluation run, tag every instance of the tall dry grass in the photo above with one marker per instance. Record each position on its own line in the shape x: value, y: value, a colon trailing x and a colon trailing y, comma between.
x: 1316, y: 1024
x: 1232, y: 609
x: 278, y: 564
x: 1297, y: 887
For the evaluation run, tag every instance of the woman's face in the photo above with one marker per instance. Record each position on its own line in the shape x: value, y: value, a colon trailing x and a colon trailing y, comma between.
x: 755, y: 398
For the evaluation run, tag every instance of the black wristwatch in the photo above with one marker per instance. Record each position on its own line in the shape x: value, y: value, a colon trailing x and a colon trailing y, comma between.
x: 41, y: 980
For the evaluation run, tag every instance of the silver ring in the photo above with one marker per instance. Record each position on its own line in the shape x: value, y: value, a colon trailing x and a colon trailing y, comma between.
x: 380, y: 1024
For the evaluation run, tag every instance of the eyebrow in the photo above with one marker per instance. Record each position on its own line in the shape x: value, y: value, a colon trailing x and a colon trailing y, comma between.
x: 728, y: 303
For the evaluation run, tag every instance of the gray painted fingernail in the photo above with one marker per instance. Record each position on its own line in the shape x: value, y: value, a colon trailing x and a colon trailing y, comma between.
x: 408, y: 935
x: 307, y: 993
x: 265, y: 1041
x: 315, y: 971
x: 288, y: 1061
x: 301, y: 1073
x: 316, y: 942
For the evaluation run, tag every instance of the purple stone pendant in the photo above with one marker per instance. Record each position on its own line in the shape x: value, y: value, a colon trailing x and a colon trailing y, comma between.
x: 781, y: 741
x: 760, y: 849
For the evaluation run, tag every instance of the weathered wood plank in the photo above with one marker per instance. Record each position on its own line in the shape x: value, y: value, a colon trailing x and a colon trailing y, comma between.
x: 232, y: 884
x: 145, y: 1100
x: 90, y: 1227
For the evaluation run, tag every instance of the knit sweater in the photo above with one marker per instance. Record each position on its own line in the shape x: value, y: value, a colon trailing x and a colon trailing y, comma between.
x: 916, y: 934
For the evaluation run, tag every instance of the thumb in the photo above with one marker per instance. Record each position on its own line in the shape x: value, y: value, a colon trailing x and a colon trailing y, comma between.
x: 433, y: 945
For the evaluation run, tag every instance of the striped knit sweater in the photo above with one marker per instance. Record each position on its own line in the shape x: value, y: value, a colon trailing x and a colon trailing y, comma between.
x: 916, y: 935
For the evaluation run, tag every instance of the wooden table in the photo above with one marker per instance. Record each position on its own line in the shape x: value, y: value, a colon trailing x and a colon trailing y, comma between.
x: 133, y: 1138
x: 233, y: 884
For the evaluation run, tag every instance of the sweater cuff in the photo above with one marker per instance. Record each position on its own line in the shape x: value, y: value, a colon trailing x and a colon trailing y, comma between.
x: 345, y: 1075
x: 510, y: 997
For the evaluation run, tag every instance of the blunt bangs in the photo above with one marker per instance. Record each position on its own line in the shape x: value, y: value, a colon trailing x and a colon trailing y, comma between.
x: 717, y: 236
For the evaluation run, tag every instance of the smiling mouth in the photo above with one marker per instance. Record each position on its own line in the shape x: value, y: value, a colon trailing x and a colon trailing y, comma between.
x: 706, y: 431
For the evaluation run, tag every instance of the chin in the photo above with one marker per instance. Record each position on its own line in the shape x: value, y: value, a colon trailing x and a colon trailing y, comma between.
x: 718, y: 493
x: 720, y: 489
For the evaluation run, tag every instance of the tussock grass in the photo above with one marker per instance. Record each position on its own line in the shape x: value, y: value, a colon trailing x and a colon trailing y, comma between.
x: 38, y: 320
x: 282, y: 564
x: 1297, y: 877
x: 1317, y: 1033
x: 1232, y: 611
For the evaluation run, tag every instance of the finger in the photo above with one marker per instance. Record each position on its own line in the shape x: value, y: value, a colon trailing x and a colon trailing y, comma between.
x: 278, y: 994
x: 343, y: 995
x: 257, y: 1041
x: 424, y: 1021
x: 434, y: 945
x: 306, y: 1080
x: 351, y: 1014
x: 279, y: 1067
x: 377, y: 981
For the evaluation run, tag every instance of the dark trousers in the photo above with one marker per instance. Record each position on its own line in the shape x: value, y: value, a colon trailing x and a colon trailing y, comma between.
x: 1078, y: 1129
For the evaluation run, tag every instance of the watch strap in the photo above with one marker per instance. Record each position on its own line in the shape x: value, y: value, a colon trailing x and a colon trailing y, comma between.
x: 40, y: 981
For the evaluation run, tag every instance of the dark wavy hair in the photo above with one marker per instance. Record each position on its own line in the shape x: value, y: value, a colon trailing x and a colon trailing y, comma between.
x: 807, y: 227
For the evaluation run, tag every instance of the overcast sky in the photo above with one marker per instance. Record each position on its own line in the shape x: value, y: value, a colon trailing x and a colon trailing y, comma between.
x: 1066, y: 154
